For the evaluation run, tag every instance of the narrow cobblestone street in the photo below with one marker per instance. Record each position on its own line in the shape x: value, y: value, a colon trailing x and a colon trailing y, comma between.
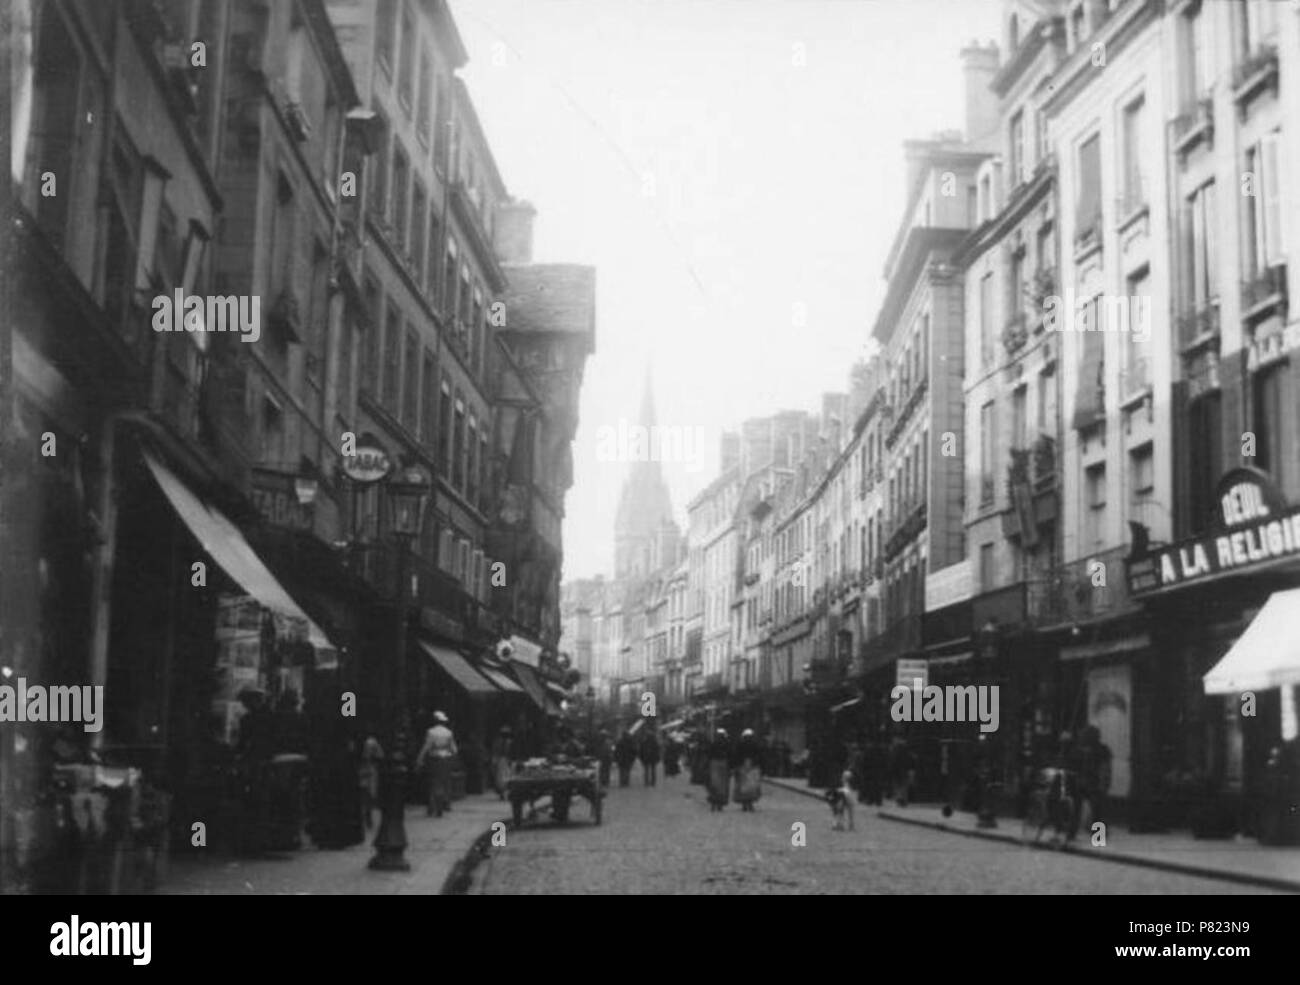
x: 664, y: 840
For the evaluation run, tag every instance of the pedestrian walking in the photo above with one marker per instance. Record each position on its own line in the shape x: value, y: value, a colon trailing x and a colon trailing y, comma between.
x: 719, y: 770
x: 435, y: 759
x: 604, y: 756
x: 625, y: 756
x: 672, y: 756
x: 1092, y: 763
x: 253, y: 751
x: 649, y: 755
x: 502, y: 761
x: 372, y: 754
x: 749, y: 758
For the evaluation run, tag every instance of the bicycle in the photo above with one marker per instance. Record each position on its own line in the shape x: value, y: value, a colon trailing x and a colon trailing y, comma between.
x: 1054, y: 802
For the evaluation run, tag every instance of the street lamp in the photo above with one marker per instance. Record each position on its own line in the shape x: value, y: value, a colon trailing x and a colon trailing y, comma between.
x: 408, y: 492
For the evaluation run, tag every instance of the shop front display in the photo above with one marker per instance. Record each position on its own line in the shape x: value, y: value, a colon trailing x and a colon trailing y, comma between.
x: 1225, y: 607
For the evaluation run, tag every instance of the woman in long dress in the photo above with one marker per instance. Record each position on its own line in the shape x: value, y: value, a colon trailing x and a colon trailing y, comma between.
x: 719, y: 771
x: 501, y: 764
x: 749, y: 756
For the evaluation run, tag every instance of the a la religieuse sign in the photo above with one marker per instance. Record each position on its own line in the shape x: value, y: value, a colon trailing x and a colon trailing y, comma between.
x: 1253, y: 526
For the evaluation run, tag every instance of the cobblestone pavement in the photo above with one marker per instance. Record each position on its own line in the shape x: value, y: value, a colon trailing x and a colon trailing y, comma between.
x: 664, y: 840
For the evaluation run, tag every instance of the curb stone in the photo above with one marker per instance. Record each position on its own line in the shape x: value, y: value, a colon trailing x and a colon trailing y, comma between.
x: 1112, y: 855
x: 460, y: 878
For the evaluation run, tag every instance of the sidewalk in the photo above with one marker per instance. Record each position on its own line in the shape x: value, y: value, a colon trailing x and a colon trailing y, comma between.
x: 1242, y: 861
x: 436, y: 849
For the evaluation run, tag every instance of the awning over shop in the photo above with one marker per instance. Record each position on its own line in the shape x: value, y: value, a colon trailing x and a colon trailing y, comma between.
x: 1267, y: 654
x: 557, y: 692
x: 460, y: 671
x: 1106, y: 648
x: 532, y: 686
x: 525, y: 651
x: 225, y: 544
x: 845, y: 704
x: 499, y: 679
x: 951, y: 658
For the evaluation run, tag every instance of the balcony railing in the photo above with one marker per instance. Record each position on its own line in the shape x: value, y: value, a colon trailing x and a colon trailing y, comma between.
x: 1135, y: 378
x: 1133, y: 199
x: 1083, y: 590
x: 1265, y: 291
x: 1199, y: 322
x: 1194, y: 124
x: 1255, y: 71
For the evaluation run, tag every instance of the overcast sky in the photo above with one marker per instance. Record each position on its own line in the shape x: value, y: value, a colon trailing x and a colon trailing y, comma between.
x: 726, y: 166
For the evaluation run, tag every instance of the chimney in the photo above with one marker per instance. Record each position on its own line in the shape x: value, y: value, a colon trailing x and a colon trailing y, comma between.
x: 512, y: 233
x: 979, y: 64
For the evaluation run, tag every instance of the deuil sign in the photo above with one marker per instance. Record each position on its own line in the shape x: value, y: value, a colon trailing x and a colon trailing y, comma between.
x: 1255, y: 527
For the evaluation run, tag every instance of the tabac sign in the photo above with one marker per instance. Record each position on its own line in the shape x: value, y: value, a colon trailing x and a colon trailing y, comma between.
x: 1254, y: 526
x: 367, y: 462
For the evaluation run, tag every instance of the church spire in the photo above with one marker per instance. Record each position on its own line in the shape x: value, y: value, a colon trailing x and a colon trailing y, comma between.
x: 645, y: 513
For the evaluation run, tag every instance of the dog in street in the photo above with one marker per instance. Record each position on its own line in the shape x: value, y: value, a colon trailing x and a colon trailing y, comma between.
x: 841, y: 800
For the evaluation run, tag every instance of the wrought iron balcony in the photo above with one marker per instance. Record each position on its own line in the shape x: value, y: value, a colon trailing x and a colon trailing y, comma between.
x: 1254, y: 72
x: 1264, y: 292
x: 1194, y: 124
x: 1089, y: 588
x: 1198, y: 322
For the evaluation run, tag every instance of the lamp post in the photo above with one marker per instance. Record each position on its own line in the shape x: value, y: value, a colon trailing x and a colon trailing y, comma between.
x: 591, y: 715
x: 408, y: 492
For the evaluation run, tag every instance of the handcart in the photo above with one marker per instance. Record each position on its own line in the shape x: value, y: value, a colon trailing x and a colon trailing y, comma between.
x: 558, y: 778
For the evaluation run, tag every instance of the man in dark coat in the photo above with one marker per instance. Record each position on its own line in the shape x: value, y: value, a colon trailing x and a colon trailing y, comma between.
x: 672, y: 756
x: 649, y: 757
x: 625, y: 756
x: 604, y: 756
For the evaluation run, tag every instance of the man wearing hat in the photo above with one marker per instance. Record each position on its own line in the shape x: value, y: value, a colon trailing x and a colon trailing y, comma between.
x: 435, y: 759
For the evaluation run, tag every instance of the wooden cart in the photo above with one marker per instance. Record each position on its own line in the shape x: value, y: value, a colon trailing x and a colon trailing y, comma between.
x: 561, y: 782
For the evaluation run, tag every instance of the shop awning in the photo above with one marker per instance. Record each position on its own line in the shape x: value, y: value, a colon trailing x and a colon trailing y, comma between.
x: 531, y: 685
x: 1267, y: 654
x: 225, y: 544
x: 845, y: 704
x: 460, y: 671
x: 1106, y: 648
x: 499, y: 679
x: 951, y: 658
x: 525, y: 651
x: 557, y: 692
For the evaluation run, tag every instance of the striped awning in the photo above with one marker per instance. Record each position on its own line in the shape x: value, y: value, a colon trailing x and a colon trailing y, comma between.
x: 460, y: 670
x: 499, y: 679
x: 527, y: 677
